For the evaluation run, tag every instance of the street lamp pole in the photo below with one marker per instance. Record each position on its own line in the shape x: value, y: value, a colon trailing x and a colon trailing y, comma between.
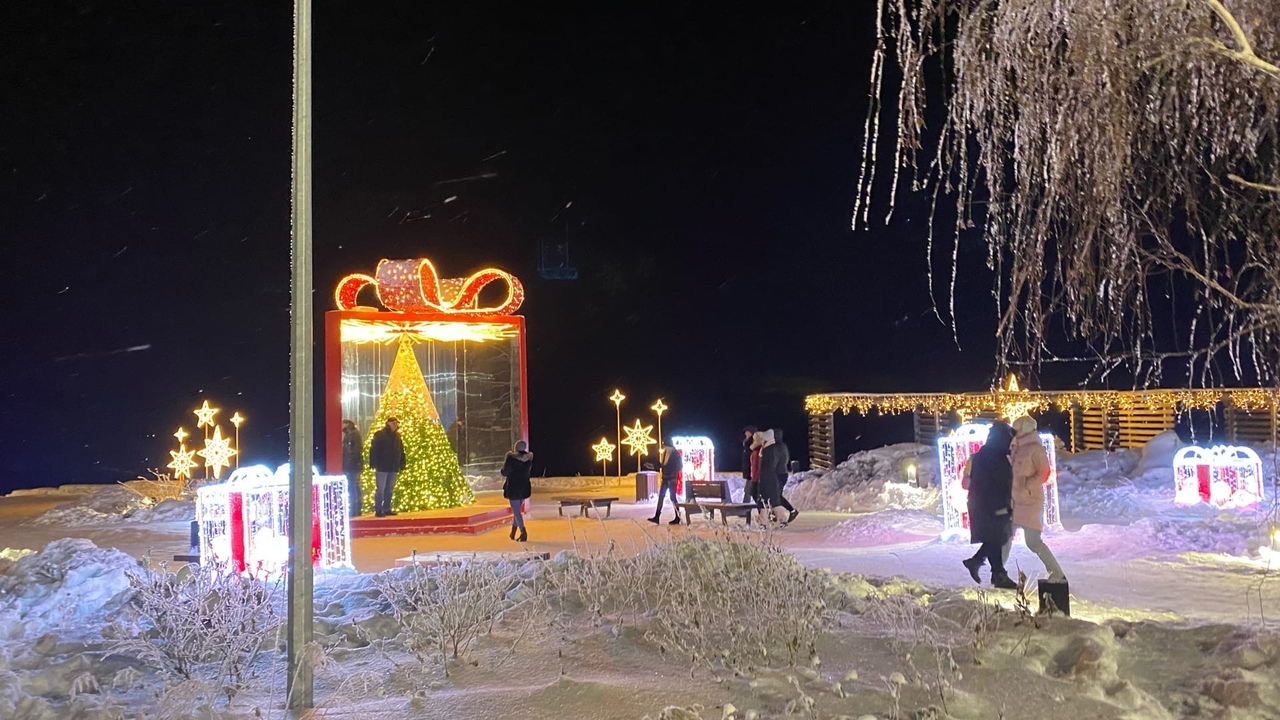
x: 301, y: 415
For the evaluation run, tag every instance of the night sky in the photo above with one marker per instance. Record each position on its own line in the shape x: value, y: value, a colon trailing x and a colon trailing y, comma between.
x: 700, y: 160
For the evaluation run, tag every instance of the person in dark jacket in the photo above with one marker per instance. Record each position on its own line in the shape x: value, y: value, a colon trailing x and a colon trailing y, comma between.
x: 516, y: 469
x: 771, y: 469
x: 353, y: 464
x: 386, y: 457
x: 990, y: 504
x: 785, y: 453
x: 748, y: 479
x: 672, y: 464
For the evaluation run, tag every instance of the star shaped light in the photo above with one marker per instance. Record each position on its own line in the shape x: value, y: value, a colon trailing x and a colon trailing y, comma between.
x: 237, y: 419
x: 204, y: 414
x: 617, y: 397
x: 604, y: 450
x: 638, y: 438
x: 659, y: 407
x: 217, y: 451
x: 181, y: 435
x: 1014, y: 409
x: 182, y: 463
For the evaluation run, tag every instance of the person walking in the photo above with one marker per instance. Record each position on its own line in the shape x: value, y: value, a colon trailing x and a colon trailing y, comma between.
x: 990, y: 486
x: 671, y: 465
x: 785, y: 452
x: 1030, y: 464
x: 748, y: 433
x: 517, y: 488
x: 353, y: 465
x: 386, y: 457
x: 757, y: 442
x: 771, y: 470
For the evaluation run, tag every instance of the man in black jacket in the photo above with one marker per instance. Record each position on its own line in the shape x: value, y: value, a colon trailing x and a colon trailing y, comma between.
x: 672, y: 464
x: 353, y: 464
x: 386, y: 457
x: 784, y: 454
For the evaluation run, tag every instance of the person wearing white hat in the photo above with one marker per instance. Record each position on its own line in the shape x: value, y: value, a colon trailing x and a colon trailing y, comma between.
x: 1030, y: 471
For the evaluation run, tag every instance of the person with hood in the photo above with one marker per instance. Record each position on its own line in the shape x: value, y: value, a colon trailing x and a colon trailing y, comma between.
x: 990, y: 486
x: 1030, y: 471
x: 353, y: 464
x: 786, y: 475
x: 771, y: 469
x: 386, y: 457
x: 671, y: 465
x: 517, y: 488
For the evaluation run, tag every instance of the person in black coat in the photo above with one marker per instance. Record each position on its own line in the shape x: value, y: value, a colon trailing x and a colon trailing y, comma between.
x: 990, y: 504
x: 386, y: 457
x: 785, y: 460
x: 771, y: 472
x: 517, y: 469
x: 747, y: 433
x: 352, y: 464
x: 672, y: 464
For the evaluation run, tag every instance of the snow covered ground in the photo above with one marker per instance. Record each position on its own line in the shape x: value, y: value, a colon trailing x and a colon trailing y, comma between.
x: 1175, y: 612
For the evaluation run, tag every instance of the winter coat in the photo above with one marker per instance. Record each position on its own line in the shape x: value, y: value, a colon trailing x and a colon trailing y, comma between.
x: 672, y: 464
x: 1030, y: 471
x: 352, y: 452
x: 771, y: 469
x: 386, y: 451
x: 516, y: 469
x: 990, y: 485
x: 749, y: 460
x: 784, y: 463
x: 755, y: 464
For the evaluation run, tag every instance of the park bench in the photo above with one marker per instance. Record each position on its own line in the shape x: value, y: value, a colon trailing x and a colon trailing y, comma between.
x: 727, y: 510
x: 585, y: 502
x: 710, y: 496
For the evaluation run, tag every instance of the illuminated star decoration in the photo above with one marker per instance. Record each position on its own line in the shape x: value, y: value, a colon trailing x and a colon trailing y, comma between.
x: 236, y: 420
x: 604, y: 450
x: 1013, y: 409
x: 659, y: 407
x: 217, y: 451
x: 617, y: 397
x: 182, y: 464
x: 638, y: 438
x: 181, y: 435
x: 205, y: 414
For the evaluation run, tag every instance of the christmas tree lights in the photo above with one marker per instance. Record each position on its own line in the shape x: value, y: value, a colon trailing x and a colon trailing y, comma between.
x: 431, y: 478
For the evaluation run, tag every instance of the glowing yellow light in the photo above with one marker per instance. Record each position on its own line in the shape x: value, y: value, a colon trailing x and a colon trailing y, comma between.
x: 204, y: 415
x: 182, y: 464
x: 659, y: 407
x: 617, y: 397
x: 639, y: 439
x: 367, y: 331
x: 604, y: 450
x: 236, y: 420
x: 217, y: 451
x: 181, y: 435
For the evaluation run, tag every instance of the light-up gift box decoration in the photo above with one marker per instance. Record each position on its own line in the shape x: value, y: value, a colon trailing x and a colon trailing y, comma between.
x: 1225, y: 476
x: 955, y: 450
x: 698, y: 460
x: 244, y: 522
x: 466, y: 339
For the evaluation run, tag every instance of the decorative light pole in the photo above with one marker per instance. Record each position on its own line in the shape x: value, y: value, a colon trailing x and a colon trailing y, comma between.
x: 659, y: 407
x: 638, y: 441
x: 236, y: 420
x: 604, y: 453
x: 617, y: 397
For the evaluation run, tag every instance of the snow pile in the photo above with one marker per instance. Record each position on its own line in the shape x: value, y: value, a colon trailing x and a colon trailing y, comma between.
x: 115, y: 504
x: 70, y: 579
x: 54, y: 491
x: 886, y: 528
x: 871, y: 480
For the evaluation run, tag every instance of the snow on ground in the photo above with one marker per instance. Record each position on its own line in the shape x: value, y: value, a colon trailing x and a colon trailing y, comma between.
x: 871, y: 480
x: 115, y: 504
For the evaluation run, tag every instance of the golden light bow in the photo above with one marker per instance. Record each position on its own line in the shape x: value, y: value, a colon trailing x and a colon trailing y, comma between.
x: 415, y: 286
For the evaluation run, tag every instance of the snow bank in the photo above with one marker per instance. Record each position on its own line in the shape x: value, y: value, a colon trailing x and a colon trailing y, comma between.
x: 70, y: 579
x: 886, y: 528
x: 869, y: 481
x: 115, y: 504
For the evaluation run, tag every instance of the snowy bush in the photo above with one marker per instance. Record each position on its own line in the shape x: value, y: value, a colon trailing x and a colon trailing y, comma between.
x: 199, y: 624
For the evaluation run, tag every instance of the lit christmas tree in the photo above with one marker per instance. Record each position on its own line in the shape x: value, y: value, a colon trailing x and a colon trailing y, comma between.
x: 431, y: 477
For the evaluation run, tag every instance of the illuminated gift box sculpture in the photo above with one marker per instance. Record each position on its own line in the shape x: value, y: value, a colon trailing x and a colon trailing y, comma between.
x: 1225, y: 476
x: 955, y: 450
x: 466, y: 342
x: 698, y: 458
x: 244, y: 522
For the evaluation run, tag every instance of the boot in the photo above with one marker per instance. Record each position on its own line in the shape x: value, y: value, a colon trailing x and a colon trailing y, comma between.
x: 653, y: 519
x: 973, y: 564
x: 675, y: 521
x: 1003, y: 581
x: 792, y: 517
x: 523, y: 535
x: 513, y: 531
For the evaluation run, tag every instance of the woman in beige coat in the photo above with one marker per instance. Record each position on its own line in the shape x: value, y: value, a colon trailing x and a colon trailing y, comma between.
x: 1030, y: 471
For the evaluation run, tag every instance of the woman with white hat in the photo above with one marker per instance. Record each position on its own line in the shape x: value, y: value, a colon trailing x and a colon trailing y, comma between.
x: 1030, y: 471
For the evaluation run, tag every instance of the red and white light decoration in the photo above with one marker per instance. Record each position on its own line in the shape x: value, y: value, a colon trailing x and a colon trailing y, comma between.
x: 1225, y: 476
x: 955, y: 450
x: 244, y: 522
x: 698, y: 458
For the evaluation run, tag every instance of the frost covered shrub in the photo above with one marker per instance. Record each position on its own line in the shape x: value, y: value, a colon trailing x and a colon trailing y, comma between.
x: 443, y: 609
x: 201, y: 623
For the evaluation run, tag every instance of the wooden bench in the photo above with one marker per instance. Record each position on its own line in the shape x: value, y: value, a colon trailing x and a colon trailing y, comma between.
x: 727, y: 510
x: 584, y: 503
x: 702, y: 494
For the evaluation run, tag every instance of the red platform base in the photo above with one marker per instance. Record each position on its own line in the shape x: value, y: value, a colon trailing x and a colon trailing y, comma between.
x: 470, y: 520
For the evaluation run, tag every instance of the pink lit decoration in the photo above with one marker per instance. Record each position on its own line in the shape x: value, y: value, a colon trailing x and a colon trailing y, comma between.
x: 698, y: 457
x: 244, y: 522
x: 1225, y: 476
x: 955, y: 450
